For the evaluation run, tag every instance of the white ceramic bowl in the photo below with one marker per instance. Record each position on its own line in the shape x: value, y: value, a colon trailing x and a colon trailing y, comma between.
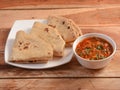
x: 94, y: 64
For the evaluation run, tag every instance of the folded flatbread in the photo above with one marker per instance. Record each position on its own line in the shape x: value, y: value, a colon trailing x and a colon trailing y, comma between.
x: 66, y: 27
x: 28, y: 48
x: 50, y: 35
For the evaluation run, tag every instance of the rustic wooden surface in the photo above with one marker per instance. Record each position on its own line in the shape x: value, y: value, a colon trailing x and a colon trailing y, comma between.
x: 102, y: 16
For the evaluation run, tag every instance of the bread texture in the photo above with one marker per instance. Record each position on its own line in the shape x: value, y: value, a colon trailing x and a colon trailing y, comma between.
x: 66, y: 27
x: 29, y: 48
x: 51, y: 36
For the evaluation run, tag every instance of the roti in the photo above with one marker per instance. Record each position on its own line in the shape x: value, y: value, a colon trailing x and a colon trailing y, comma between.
x: 28, y: 48
x: 50, y: 35
x: 66, y: 27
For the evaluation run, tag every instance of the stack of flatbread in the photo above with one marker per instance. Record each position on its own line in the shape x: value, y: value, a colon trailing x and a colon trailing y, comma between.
x: 44, y: 40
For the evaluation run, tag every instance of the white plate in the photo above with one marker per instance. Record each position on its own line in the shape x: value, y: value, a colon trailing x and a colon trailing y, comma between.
x: 27, y: 25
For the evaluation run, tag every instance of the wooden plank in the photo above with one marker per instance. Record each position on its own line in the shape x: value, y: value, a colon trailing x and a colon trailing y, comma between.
x: 61, y: 84
x: 55, y: 3
x: 9, y: 16
x: 82, y: 16
x: 45, y: 7
x: 113, y: 32
x: 98, y: 17
x: 72, y: 69
x: 3, y: 37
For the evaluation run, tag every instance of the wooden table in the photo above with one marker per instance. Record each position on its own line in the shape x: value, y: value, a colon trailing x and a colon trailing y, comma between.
x: 102, y: 16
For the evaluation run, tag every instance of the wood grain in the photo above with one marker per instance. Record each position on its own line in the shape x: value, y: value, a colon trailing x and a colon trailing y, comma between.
x: 3, y: 37
x: 102, y: 16
x: 82, y: 16
x: 98, y: 17
x: 8, y: 17
x: 7, y: 4
x: 61, y: 84
x: 72, y: 69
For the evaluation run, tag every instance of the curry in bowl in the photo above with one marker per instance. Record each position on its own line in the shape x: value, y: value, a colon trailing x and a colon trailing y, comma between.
x: 94, y: 48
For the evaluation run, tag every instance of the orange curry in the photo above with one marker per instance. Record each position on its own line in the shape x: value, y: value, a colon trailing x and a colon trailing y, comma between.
x: 94, y: 48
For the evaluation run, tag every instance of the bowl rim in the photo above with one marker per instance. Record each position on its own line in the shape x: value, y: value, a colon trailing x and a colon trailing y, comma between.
x: 87, y: 34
